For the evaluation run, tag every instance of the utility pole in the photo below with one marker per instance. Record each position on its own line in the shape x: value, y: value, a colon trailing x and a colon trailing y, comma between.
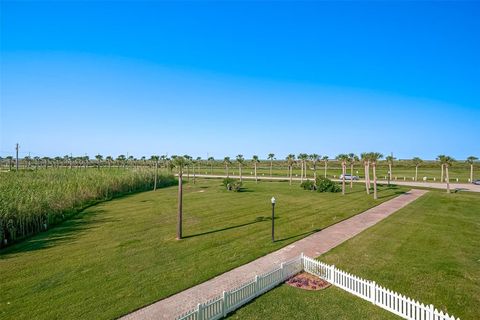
x: 16, y: 149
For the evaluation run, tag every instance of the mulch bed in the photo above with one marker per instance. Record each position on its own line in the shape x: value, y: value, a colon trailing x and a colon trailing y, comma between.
x: 307, y: 281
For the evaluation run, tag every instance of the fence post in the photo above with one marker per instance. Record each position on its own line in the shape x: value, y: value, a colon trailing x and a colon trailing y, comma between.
x: 432, y: 312
x: 200, y: 312
x: 373, y: 292
x: 283, y: 271
x: 302, y: 261
x: 224, y: 304
x: 257, y: 289
x: 332, y: 274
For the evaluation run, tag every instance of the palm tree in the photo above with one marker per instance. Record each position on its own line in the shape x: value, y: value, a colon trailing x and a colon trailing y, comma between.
x: 366, y: 165
x: 447, y: 162
x: 240, y: 161
x: 314, y: 158
x: 199, y: 162
x: 389, y: 160
x: 441, y: 159
x: 227, y: 162
x: 179, y: 163
x: 325, y: 161
x: 352, y: 158
x: 290, y: 162
x: 416, y: 161
x: 188, y: 161
x: 109, y: 160
x: 271, y: 157
x: 343, y: 158
x: 155, y: 158
x: 210, y: 161
x: 255, y: 162
x: 99, y: 158
x: 374, y: 157
x: 471, y: 160
x: 303, y: 157
x: 121, y: 159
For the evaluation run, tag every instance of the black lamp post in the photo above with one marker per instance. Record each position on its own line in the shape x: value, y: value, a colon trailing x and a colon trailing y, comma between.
x: 273, y: 219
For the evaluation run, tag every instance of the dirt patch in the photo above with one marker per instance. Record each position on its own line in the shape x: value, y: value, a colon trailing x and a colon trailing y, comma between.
x: 307, y: 281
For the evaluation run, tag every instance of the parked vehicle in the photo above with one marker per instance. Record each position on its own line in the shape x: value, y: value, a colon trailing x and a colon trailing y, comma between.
x: 348, y: 177
x: 477, y: 182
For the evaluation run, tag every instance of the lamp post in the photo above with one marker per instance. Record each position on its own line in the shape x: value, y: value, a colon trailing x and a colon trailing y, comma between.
x: 273, y: 219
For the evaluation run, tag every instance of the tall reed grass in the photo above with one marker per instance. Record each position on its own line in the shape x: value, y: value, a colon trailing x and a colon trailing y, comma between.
x: 33, y: 201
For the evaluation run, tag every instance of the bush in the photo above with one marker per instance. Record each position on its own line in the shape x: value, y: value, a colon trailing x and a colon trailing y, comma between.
x: 308, y: 185
x: 326, y: 185
x: 232, y: 184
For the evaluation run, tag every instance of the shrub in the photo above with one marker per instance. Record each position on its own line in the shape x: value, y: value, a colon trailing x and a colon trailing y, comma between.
x: 326, y: 185
x: 308, y: 185
x: 232, y: 184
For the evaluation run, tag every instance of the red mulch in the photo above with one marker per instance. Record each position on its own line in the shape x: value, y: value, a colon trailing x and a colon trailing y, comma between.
x: 307, y: 281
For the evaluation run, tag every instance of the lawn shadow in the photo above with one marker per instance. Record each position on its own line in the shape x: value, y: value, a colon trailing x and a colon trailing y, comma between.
x: 257, y: 220
x: 67, y: 231
x: 395, y: 193
x: 307, y: 233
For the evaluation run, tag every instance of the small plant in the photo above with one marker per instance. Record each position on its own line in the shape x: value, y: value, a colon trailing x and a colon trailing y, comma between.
x: 326, y: 185
x: 232, y: 184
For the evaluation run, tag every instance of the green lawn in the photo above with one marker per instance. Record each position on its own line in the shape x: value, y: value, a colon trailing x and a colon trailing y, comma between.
x: 428, y: 251
x: 122, y: 254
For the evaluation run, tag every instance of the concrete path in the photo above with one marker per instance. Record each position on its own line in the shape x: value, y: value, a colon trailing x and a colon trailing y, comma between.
x: 436, y: 185
x: 313, y: 246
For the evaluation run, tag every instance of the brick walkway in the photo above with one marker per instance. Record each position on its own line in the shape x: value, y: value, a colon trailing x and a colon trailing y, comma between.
x: 313, y: 246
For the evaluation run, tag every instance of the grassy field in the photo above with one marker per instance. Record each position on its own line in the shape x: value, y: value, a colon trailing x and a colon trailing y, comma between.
x: 334, y: 171
x: 427, y: 251
x: 33, y: 201
x: 122, y: 254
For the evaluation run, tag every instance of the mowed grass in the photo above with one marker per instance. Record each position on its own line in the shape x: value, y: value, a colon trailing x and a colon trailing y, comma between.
x: 122, y: 254
x: 428, y: 251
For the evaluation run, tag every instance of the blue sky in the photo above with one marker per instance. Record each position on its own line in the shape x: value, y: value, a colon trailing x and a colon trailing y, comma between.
x: 218, y: 79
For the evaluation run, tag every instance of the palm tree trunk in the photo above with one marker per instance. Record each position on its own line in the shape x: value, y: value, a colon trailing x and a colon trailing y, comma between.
x: 447, y: 179
x: 193, y: 168
x: 255, y: 168
x: 441, y: 177
x: 368, y: 175
x: 290, y: 173
x: 315, y: 172
x: 374, y: 181
x: 389, y: 172
x: 343, y: 178
x: 226, y: 168
x: 156, y: 174
x: 305, y: 169
x: 271, y: 166
x: 365, y: 167
x: 180, y: 209
x: 240, y: 171
x: 301, y: 171
x: 351, y: 176
x: 416, y: 173
x: 471, y: 172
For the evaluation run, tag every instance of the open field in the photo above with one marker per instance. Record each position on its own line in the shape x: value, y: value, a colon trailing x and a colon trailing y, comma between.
x: 427, y: 251
x: 33, y: 201
x: 334, y: 171
x: 120, y: 255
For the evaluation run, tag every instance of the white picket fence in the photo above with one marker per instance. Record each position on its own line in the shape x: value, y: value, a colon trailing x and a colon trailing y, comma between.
x: 218, y: 307
x: 396, y: 303
x: 387, y: 299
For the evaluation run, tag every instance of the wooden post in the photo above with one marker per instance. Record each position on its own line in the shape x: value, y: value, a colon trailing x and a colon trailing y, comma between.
x: 16, y: 149
x: 373, y: 292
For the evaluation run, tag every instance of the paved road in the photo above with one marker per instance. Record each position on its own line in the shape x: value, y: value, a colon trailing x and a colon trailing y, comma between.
x: 313, y: 246
x: 435, y: 185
